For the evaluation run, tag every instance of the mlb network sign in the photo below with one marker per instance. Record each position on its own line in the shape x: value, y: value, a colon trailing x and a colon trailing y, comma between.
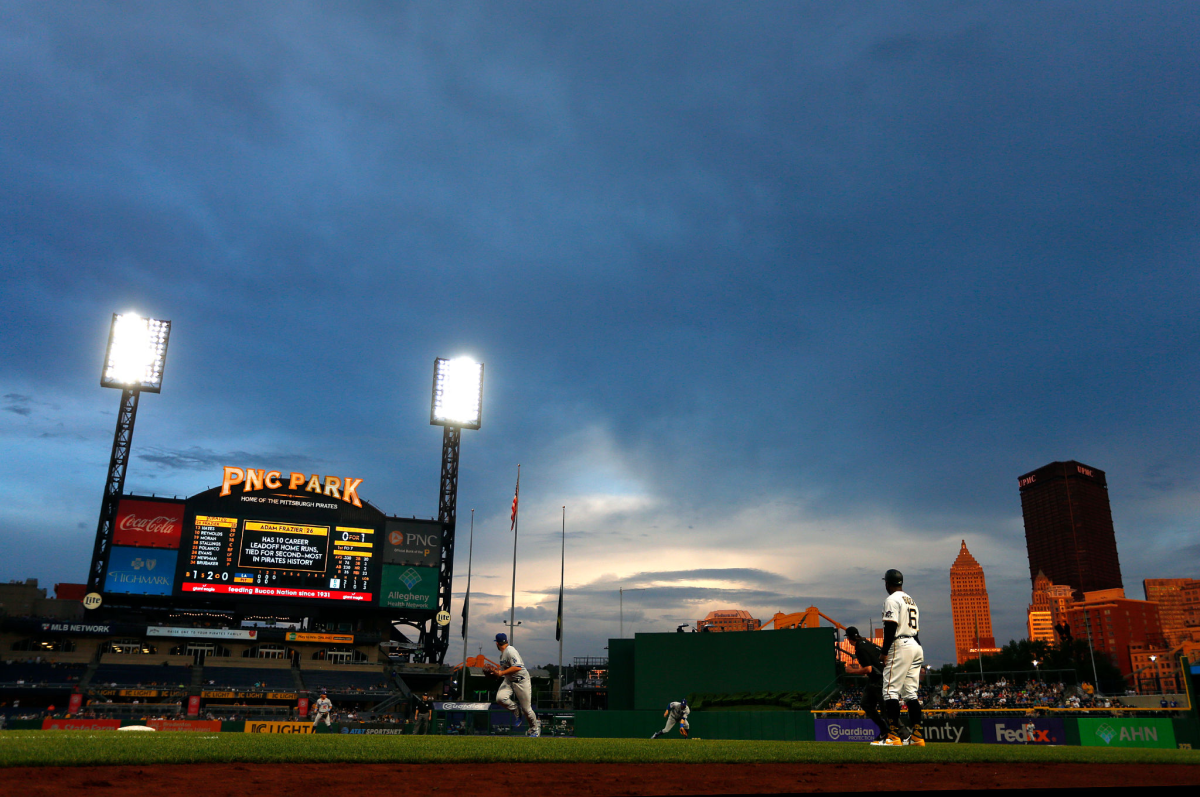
x: 1134, y: 732
x: 1042, y: 730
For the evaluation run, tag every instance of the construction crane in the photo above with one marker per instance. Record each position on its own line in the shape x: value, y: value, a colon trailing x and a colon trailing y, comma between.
x: 809, y: 618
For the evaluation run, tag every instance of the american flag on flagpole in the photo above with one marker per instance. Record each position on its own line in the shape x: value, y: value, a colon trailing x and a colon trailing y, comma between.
x: 516, y: 493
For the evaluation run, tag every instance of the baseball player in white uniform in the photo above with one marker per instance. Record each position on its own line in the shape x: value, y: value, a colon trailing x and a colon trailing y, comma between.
x: 323, y: 710
x: 516, y: 685
x: 676, y: 712
x: 902, y: 661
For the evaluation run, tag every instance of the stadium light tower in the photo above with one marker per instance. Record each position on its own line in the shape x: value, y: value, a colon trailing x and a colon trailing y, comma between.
x: 457, y: 404
x: 133, y: 363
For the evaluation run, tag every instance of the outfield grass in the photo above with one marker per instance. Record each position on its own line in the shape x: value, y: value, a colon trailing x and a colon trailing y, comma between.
x: 75, y: 748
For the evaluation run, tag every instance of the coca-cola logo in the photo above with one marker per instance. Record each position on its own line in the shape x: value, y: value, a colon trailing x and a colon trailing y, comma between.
x: 153, y: 525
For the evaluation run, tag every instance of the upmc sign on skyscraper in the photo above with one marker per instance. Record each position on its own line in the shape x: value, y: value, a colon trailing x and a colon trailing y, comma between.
x: 1068, y: 526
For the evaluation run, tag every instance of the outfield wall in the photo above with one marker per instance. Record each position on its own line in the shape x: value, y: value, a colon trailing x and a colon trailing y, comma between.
x: 783, y: 725
x: 651, y: 670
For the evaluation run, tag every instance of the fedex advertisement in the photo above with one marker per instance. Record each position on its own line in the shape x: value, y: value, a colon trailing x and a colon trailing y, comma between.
x: 1023, y: 730
x: 140, y: 571
x: 149, y: 524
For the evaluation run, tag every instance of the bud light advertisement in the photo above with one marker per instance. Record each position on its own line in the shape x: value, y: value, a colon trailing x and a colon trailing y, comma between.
x: 1023, y: 730
x: 151, y: 524
x: 140, y: 571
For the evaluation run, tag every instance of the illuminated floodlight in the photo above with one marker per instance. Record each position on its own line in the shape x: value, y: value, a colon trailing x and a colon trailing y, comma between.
x: 137, y: 352
x: 457, y: 393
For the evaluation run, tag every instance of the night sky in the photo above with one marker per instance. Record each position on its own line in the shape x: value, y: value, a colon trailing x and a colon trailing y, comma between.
x: 771, y: 296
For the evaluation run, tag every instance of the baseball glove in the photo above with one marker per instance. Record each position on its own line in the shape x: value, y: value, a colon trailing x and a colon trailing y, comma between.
x: 490, y: 670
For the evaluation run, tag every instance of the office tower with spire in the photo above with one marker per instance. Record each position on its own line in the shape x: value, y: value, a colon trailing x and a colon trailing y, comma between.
x: 970, y: 608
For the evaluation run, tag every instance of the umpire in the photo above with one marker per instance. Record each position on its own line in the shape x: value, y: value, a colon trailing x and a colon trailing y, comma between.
x: 868, y: 654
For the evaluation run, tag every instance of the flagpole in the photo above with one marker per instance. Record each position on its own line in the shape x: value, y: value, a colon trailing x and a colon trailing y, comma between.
x: 562, y: 580
x: 512, y: 606
x: 466, y: 603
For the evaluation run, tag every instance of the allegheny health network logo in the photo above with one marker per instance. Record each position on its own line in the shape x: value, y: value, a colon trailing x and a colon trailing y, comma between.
x: 410, y: 578
x: 1106, y: 733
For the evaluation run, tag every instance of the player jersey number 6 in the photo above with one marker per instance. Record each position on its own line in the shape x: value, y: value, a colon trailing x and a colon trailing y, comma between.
x: 902, y: 610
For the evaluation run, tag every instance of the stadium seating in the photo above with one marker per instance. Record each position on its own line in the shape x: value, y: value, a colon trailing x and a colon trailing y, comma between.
x: 40, y: 673
x: 248, y: 678
x: 141, y: 674
x: 339, y: 681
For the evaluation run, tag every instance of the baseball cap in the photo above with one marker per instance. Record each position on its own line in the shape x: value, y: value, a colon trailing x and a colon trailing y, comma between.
x: 851, y: 632
x: 502, y: 638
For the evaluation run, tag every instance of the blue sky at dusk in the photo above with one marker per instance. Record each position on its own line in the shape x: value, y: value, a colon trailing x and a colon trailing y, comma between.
x: 771, y: 296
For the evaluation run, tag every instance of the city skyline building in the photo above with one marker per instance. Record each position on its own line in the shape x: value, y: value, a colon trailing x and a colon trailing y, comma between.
x: 1176, y: 599
x: 970, y: 608
x: 1069, y: 533
x: 729, y: 620
x: 1114, y: 623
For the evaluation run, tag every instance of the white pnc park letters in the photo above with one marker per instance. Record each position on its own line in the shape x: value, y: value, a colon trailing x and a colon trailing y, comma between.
x: 253, y: 479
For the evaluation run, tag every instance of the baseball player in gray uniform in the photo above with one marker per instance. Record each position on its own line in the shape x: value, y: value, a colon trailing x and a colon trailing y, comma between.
x: 324, y: 709
x: 676, y: 712
x: 903, y: 659
x: 516, y: 685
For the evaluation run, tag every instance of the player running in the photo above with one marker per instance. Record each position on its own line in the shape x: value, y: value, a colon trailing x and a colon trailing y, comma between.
x: 902, y: 661
x: 516, y: 684
x: 676, y: 712
x: 868, y: 655
x: 323, y: 711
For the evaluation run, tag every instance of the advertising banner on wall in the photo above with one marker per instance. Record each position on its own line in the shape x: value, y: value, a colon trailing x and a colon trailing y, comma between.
x: 944, y: 731
x: 75, y: 702
x: 193, y: 705
x: 1023, y: 730
x: 302, y: 707
x: 211, y: 726
x: 412, y: 542
x: 201, y: 633
x: 846, y: 729
x: 140, y: 571
x: 148, y: 524
x: 279, y: 727
x: 1126, y: 732
x: 406, y: 587
x: 80, y: 725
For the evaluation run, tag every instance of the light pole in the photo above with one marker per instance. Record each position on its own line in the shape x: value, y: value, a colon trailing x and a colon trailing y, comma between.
x: 622, y: 592
x: 133, y: 362
x: 1157, y: 683
x: 466, y: 609
x: 457, y: 404
x: 1035, y: 670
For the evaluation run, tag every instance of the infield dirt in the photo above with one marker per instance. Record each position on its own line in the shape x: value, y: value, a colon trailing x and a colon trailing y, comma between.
x: 581, y: 780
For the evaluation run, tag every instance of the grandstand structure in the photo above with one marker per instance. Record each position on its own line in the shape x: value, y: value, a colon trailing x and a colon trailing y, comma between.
x: 140, y: 659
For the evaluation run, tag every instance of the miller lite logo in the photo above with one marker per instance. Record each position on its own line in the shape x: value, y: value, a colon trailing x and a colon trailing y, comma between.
x: 148, y: 524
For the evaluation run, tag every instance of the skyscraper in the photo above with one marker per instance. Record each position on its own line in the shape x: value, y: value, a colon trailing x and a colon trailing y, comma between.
x: 970, y: 608
x: 1068, y: 526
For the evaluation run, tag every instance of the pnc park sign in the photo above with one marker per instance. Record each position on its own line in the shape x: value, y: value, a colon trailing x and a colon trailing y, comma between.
x: 252, y: 479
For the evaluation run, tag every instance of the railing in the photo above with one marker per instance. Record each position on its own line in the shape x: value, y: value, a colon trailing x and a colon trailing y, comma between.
x: 826, y: 694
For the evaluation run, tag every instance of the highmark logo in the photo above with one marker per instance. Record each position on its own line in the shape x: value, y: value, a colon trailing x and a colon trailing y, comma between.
x: 842, y: 732
x: 139, y: 563
x: 410, y: 578
x: 1106, y: 733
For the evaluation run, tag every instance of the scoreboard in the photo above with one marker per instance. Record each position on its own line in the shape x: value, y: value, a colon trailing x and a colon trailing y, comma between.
x: 273, y: 558
x: 276, y: 544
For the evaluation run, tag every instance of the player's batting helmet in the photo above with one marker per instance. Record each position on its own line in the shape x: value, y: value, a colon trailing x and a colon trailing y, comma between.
x: 893, y: 578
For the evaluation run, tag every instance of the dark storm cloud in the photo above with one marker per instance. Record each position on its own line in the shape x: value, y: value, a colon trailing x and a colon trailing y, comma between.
x: 197, y: 458
x: 868, y: 262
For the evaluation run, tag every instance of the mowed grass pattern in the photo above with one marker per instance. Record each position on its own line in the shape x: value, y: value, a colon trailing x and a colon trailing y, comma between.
x: 76, y: 748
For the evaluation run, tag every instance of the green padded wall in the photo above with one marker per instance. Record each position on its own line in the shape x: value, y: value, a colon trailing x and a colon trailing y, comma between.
x: 620, y: 674
x: 668, y: 667
x: 781, y: 725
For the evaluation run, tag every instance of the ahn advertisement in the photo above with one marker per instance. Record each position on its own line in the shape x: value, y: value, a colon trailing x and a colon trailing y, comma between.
x: 140, y: 571
x: 1023, y: 730
x: 406, y: 587
x: 148, y: 524
x: 1131, y: 732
